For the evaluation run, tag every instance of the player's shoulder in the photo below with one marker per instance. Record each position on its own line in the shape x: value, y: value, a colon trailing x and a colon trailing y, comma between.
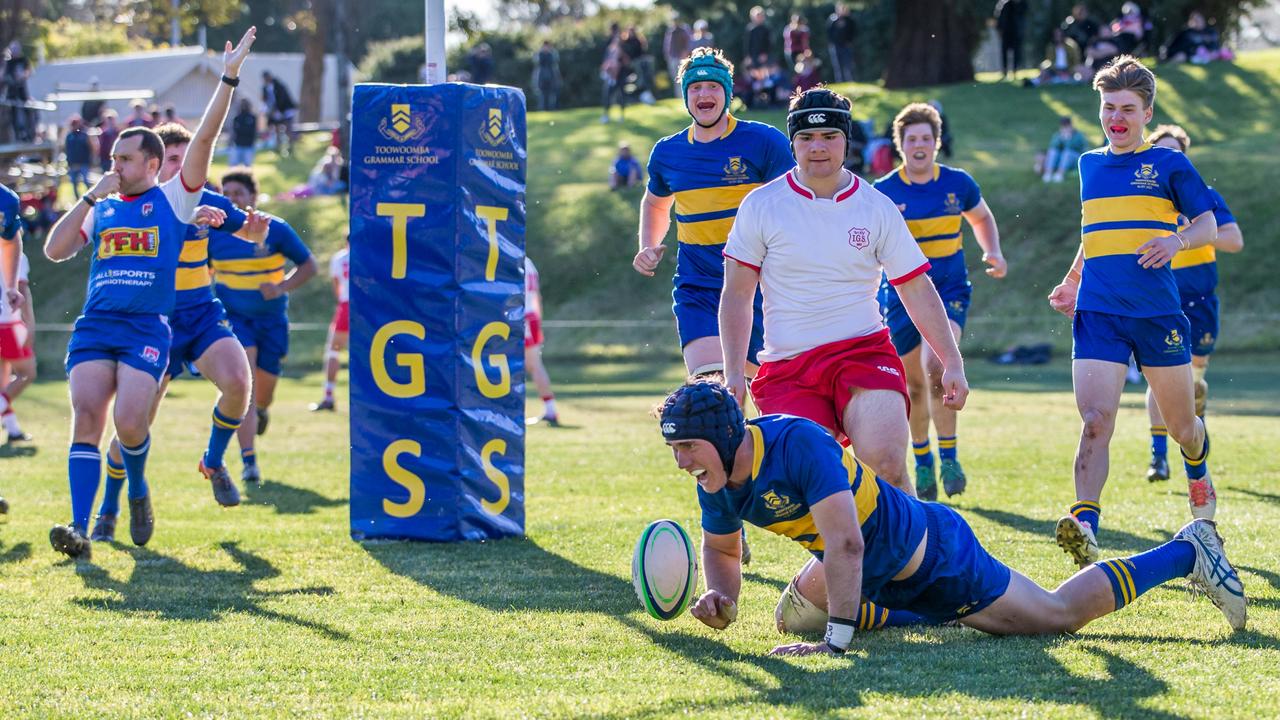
x: 8, y: 197
x: 757, y: 129
x: 675, y: 142
x: 891, y: 179
x: 950, y: 173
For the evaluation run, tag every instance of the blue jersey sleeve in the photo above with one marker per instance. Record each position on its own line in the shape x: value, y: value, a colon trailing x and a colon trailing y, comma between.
x: 10, y: 214
x: 657, y: 183
x: 815, y: 463
x: 281, y: 238
x: 1187, y: 189
x: 235, y: 216
x: 971, y: 194
x: 1221, y: 212
x: 777, y: 155
x: 716, y: 518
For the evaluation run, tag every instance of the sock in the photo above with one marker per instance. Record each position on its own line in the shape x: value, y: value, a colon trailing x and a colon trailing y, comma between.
x: 5, y: 402
x: 10, y: 420
x: 1088, y: 513
x: 924, y: 456
x: 84, y: 471
x: 135, y: 465
x: 947, y: 447
x: 248, y: 457
x: 223, y: 428
x: 111, y: 492
x: 1197, y: 468
x: 549, y: 402
x: 328, y: 390
x: 1159, y: 441
x: 1134, y: 575
x: 874, y: 617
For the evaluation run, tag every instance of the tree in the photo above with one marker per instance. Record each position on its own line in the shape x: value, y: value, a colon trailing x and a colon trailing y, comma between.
x: 933, y: 42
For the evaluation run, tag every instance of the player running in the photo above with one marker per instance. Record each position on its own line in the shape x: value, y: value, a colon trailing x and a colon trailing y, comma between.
x: 251, y: 283
x: 120, y: 344
x: 934, y: 199
x: 533, y: 364
x: 340, y: 326
x: 17, y: 316
x: 1196, y: 272
x: 1123, y: 297
x: 788, y: 476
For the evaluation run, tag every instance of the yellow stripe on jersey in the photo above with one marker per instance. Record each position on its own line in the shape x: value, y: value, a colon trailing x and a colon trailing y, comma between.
x: 249, y: 282
x: 940, y: 248
x: 267, y: 263
x: 797, y: 529
x: 191, y: 278
x: 868, y: 495
x: 935, y: 226
x: 1118, y: 242
x: 707, y: 232
x: 712, y: 199
x: 757, y: 448
x: 1190, y: 258
x: 194, y: 251
x: 1128, y: 208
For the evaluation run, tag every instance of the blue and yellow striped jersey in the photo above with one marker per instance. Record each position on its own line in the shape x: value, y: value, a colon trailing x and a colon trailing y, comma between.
x: 1196, y: 271
x: 1127, y: 200
x: 933, y: 214
x: 795, y: 464
x: 709, y: 181
x: 241, y: 266
x: 192, y: 279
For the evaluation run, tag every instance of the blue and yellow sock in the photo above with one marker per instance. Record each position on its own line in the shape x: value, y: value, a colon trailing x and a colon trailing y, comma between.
x: 947, y: 447
x: 84, y: 472
x: 1134, y: 575
x: 135, y: 467
x: 111, y: 491
x: 1088, y: 513
x: 1159, y: 441
x: 248, y: 457
x: 924, y: 456
x: 219, y: 436
x: 1197, y: 467
x: 874, y: 617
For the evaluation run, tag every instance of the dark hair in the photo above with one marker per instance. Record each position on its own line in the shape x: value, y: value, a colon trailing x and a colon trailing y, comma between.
x: 152, y: 145
x: 173, y: 134
x: 244, y: 176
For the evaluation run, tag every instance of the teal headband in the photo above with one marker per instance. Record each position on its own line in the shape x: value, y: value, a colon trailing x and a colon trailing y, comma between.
x: 706, y: 68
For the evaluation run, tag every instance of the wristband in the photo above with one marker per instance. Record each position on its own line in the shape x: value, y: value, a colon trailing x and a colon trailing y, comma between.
x: 839, y: 634
x: 1182, y: 241
x: 88, y: 200
x: 231, y: 81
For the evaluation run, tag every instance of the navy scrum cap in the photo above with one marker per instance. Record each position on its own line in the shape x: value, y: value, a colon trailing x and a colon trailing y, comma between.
x: 819, y: 108
x: 705, y: 410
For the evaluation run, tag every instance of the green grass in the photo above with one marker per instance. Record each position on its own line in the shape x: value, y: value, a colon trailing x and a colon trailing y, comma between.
x: 269, y: 610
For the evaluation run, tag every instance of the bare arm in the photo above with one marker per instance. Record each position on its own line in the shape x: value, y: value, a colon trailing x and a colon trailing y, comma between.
x: 987, y: 234
x: 337, y: 289
x: 28, y: 314
x: 722, y: 564
x: 1063, y: 297
x: 655, y: 220
x: 1230, y: 239
x: 736, y: 308
x: 299, y: 275
x: 10, y: 259
x: 1157, y: 252
x: 195, y: 166
x: 921, y: 300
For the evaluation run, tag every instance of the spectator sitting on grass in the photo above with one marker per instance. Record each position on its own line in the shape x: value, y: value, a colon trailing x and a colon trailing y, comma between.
x: 325, y: 178
x: 1065, y: 148
x: 1062, y: 62
x: 625, y: 171
x: 1197, y: 43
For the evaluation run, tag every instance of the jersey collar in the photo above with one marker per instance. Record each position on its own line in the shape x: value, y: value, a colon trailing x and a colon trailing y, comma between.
x: 843, y: 194
x: 1141, y: 148
x: 733, y: 123
x: 902, y: 173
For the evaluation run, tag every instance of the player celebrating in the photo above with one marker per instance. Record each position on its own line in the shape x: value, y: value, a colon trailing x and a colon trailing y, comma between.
x: 934, y: 198
x: 120, y: 344
x: 252, y: 284
x: 339, y: 327
x: 1124, y: 298
x: 17, y: 317
x: 533, y: 346
x: 787, y: 475
x: 1196, y: 272
x: 704, y: 171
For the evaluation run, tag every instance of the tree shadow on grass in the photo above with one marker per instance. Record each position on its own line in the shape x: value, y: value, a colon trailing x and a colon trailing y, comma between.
x: 1269, y: 497
x: 16, y: 554
x: 12, y: 450
x: 165, y: 587
x: 517, y: 575
x: 287, y: 499
x: 1112, y: 541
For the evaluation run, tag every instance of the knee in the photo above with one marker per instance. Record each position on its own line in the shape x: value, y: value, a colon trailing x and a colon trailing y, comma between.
x: 1183, y: 431
x: 888, y: 462
x: 131, y: 430
x: 1098, y: 424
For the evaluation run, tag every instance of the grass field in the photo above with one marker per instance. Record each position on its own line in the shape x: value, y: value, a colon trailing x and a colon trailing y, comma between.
x: 269, y: 610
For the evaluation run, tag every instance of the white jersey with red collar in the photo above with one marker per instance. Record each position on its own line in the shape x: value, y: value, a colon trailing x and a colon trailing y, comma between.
x: 340, y: 270
x: 820, y: 260
x: 532, y: 289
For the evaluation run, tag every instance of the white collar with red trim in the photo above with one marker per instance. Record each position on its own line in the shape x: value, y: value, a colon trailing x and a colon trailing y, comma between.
x: 843, y: 193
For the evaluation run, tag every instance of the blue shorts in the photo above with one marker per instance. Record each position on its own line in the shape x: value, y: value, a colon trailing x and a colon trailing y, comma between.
x: 1155, y: 342
x: 139, y: 341
x: 697, y: 316
x: 957, y: 577
x: 194, y: 330
x: 903, y: 332
x: 268, y: 333
x: 1202, y: 314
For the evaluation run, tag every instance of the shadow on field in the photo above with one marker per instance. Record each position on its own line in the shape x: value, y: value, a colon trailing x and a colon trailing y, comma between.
x: 518, y: 575
x: 1113, y: 541
x: 166, y: 587
x: 1269, y: 497
x: 287, y: 499
x: 16, y: 554
x: 12, y: 450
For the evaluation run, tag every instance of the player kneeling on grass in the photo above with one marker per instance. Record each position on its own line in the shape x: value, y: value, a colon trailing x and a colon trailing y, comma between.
x: 789, y: 476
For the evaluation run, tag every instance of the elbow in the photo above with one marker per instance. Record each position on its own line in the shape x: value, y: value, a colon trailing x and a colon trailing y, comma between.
x: 848, y: 545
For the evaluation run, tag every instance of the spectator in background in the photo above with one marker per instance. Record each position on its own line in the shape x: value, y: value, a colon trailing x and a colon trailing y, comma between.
x: 944, y: 141
x: 1010, y: 18
x: 759, y: 41
x: 636, y: 49
x: 1062, y: 63
x: 107, y: 135
x: 614, y: 68
x: 244, y: 135
x: 139, y: 117
x: 808, y: 73
x: 78, y: 148
x: 841, y: 33
x: 326, y: 177
x: 91, y: 109
x: 17, y: 68
x: 625, y: 171
x: 1065, y: 148
x: 153, y: 113
x: 281, y: 110
x: 546, y: 76
x: 676, y: 44
x: 743, y: 83
x: 1197, y: 43
x: 1128, y: 30
x: 481, y: 61
x: 1080, y: 26
x: 795, y: 38
x: 702, y: 37
x: 171, y: 116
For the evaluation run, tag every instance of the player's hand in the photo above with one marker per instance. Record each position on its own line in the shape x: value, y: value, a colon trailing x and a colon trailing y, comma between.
x: 999, y: 268
x: 1157, y: 252
x: 108, y: 184
x: 15, y: 298
x: 255, y: 228
x: 270, y: 291
x: 209, y: 215
x: 955, y: 388
x: 646, y: 261
x: 233, y: 58
x: 715, y: 609
x: 737, y: 384
x: 798, y: 649
x: 1063, y: 299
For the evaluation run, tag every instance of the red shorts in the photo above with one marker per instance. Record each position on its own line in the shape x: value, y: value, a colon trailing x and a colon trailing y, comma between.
x: 341, y: 318
x: 532, y: 330
x: 13, y: 338
x: 818, y: 384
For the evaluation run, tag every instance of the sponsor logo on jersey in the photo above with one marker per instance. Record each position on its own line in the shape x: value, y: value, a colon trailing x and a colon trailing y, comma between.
x: 402, y: 125
x: 891, y: 370
x: 151, y: 355
x: 779, y: 505
x: 859, y: 238
x: 129, y: 242
x: 492, y: 131
x: 1145, y: 177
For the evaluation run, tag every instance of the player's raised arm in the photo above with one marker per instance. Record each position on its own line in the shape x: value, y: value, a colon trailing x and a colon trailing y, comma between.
x: 655, y: 220
x: 722, y: 563
x: 195, y: 167
x: 983, y: 222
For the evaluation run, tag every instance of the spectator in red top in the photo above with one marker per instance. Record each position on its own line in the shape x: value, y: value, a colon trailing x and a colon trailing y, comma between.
x: 795, y: 38
x: 107, y: 138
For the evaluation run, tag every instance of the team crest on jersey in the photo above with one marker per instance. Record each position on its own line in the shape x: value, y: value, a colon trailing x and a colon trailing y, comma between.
x: 953, y: 204
x: 735, y: 170
x: 403, y: 125
x: 129, y: 242
x: 493, y: 131
x: 957, y: 305
x: 1174, y: 341
x: 146, y: 209
x: 1145, y: 177
x: 779, y: 505
x: 859, y: 238
x: 151, y: 355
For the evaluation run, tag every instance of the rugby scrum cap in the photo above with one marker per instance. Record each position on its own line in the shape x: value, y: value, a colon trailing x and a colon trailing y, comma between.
x: 820, y: 108
x: 707, y: 68
x: 705, y: 410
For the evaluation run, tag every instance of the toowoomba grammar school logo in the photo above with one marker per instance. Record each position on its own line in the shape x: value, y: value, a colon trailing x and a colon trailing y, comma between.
x: 493, y: 131
x: 402, y: 125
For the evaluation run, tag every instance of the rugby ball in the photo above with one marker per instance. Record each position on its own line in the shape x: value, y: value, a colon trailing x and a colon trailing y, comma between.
x: 664, y: 569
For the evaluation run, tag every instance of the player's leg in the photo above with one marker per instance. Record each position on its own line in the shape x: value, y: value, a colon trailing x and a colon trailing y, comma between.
x: 272, y: 337
x: 535, y: 369
x: 1173, y: 388
x: 225, y: 364
x: 19, y: 373
x: 104, y: 526
x: 92, y: 382
x: 1158, y: 470
x: 926, y: 473
x: 876, y: 423
x: 136, y: 394
x: 802, y: 607
x: 1098, y: 385
x: 248, y: 430
x: 334, y: 344
x: 1199, y: 368
x: 944, y: 419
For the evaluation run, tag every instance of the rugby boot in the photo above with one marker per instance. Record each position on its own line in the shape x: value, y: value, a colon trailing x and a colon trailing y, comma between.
x: 70, y: 541
x: 953, y: 479
x: 1213, y: 574
x: 1077, y: 540
x: 1202, y: 497
x: 104, y: 529
x: 142, y: 522
x: 1159, y: 469
x: 251, y: 475
x: 325, y: 404
x: 926, y: 483
x: 4, y: 506
x: 224, y: 488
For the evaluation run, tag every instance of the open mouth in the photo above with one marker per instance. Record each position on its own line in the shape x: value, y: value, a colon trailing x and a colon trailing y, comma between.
x: 920, y: 155
x: 706, y: 106
x: 1118, y: 129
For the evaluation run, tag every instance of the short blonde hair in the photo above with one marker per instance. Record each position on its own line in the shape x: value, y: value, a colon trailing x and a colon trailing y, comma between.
x: 1170, y: 131
x: 1127, y: 73
x: 913, y: 114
